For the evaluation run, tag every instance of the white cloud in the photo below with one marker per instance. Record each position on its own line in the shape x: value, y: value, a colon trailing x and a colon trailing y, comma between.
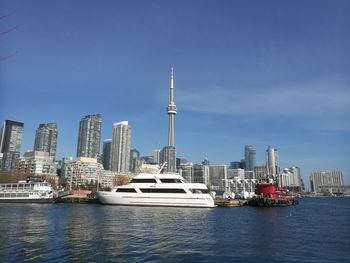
x: 308, y: 101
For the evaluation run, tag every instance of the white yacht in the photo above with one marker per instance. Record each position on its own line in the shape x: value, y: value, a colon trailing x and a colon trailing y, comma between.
x: 149, y: 189
x: 27, y: 192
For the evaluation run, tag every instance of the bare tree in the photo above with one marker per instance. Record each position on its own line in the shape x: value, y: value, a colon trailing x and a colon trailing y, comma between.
x: 5, y: 33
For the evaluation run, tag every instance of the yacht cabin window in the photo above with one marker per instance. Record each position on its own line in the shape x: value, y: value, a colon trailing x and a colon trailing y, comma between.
x: 126, y: 190
x: 199, y: 191
x: 174, y: 181
x: 136, y: 180
x: 163, y: 190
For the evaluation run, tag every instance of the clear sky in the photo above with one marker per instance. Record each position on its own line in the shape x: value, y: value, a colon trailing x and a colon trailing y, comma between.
x: 246, y: 72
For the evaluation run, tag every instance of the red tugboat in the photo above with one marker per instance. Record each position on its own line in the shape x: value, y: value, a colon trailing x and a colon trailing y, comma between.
x: 269, y: 194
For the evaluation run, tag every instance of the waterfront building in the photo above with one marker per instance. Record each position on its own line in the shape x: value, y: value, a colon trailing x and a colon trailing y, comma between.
x: 249, y: 158
x: 295, y: 179
x: 335, y: 190
x: 135, y: 160
x: 249, y: 175
x: 325, y: 178
x: 260, y: 171
x: 201, y: 174
x: 10, y: 144
x: 36, y: 163
x: 290, y: 177
x: 168, y: 153
x: 236, y: 173
x: 89, y: 136
x: 46, y: 138
x: 121, y: 143
x: 148, y: 167
x: 85, y: 171
x: 180, y: 161
x: 186, y: 170
x: 156, y: 155
x: 243, y: 188
x: 107, y: 154
x: 218, y: 173
x: 272, y: 162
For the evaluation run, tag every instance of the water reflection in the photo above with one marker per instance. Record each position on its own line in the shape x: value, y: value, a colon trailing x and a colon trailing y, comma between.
x: 25, y: 233
x: 98, y: 233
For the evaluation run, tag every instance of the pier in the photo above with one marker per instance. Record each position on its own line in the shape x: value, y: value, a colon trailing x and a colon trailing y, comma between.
x: 76, y: 197
x: 221, y: 202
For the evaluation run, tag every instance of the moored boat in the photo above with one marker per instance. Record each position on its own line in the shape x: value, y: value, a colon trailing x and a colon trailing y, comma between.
x: 149, y: 189
x: 268, y: 194
x: 27, y: 192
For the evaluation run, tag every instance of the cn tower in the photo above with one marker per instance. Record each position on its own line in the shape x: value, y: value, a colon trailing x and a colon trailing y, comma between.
x: 171, y: 109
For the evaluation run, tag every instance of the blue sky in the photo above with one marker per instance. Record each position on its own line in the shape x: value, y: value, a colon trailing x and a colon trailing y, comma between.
x: 246, y: 72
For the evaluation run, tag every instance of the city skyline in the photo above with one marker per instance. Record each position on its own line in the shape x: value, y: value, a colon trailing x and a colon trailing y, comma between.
x: 253, y: 73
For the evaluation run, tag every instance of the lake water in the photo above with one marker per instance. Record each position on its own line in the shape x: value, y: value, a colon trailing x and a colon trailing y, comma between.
x: 316, y: 230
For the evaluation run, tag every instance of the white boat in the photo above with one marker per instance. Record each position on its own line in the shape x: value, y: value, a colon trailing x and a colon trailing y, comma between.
x: 27, y: 192
x: 149, y: 189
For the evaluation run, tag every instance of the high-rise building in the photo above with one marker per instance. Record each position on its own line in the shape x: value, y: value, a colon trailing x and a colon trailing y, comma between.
x: 10, y: 143
x: 89, y: 136
x: 325, y: 178
x: 168, y: 153
x: 121, y: 143
x: 217, y: 175
x: 290, y: 177
x: 186, y: 170
x: 260, y: 171
x: 236, y: 173
x: 272, y: 162
x: 249, y: 158
x: 107, y: 154
x: 46, y: 138
x: 180, y: 161
x: 135, y: 160
x: 295, y: 179
x: 201, y: 174
x: 156, y: 155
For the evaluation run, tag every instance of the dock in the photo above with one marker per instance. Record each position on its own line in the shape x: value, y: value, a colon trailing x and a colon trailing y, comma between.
x: 83, y: 199
x: 221, y: 202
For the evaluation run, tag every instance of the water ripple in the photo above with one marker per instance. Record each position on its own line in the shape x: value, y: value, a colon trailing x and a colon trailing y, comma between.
x: 316, y: 230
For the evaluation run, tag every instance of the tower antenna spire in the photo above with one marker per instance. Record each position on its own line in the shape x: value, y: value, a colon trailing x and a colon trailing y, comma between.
x: 172, y: 86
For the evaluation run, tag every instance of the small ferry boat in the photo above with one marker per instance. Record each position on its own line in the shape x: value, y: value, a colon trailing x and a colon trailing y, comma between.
x: 27, y: 192
x: 155, y: 189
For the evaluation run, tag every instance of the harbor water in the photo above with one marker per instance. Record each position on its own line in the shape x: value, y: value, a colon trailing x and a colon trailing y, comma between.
x: 316, y: 230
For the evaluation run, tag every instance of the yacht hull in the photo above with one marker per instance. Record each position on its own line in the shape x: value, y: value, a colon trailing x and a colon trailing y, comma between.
x: 176, y: 200
x: 32, y: 200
